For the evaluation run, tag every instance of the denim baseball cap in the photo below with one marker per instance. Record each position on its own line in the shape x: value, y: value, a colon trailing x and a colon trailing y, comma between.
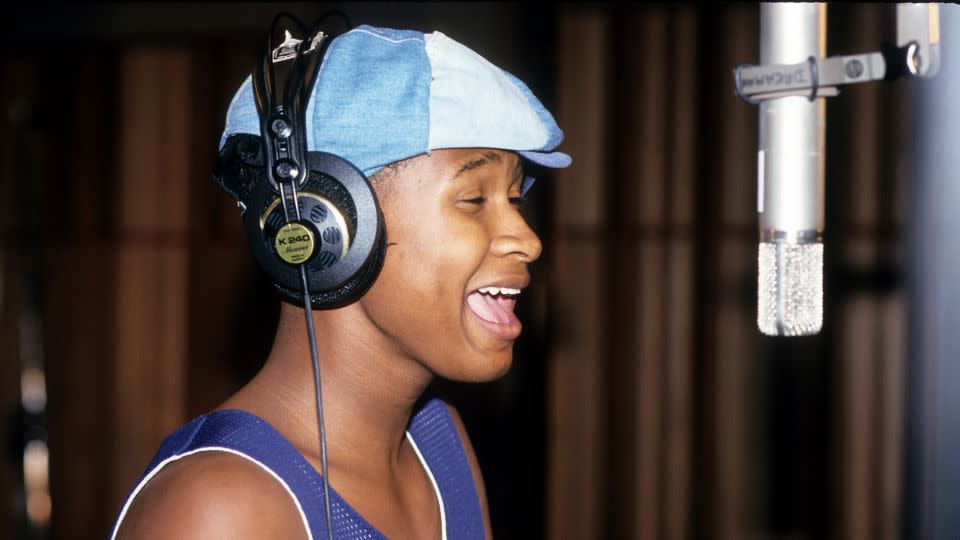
x: 384, y: 95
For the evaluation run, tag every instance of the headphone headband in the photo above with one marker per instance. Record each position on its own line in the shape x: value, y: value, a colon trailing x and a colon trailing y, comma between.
x: 282, y: 110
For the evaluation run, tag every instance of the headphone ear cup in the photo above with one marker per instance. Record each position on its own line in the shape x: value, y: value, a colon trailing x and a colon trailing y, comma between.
x: 341, y: 206
x: 351, y: 290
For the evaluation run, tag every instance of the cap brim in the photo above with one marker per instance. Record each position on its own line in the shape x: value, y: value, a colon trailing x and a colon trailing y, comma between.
x: 554, y: 160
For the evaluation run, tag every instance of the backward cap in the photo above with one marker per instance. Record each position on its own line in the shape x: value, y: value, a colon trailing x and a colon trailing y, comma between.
x: 385, y: 95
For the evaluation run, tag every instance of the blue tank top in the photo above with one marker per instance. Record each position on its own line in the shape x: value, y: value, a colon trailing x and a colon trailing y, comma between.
x: 431, y: 432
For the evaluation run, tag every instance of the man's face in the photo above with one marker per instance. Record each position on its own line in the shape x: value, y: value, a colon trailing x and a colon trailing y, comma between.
x: 455, y: 237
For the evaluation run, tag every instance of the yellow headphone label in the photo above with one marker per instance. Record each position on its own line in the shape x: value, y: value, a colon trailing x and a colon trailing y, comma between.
x: 294, y: 243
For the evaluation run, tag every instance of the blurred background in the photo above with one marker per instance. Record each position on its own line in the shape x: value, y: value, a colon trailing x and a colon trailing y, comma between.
x: 643, y: 402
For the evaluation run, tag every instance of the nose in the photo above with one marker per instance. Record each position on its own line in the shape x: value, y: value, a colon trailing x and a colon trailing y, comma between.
x: 515, y: 238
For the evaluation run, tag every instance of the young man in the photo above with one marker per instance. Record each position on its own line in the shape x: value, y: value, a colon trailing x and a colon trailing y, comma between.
x: 443, y: 134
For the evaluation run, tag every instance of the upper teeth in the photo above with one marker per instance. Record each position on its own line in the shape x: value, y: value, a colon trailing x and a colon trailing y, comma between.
x: 499, y: 290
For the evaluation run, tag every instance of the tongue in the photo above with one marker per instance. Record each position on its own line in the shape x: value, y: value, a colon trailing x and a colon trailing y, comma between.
x: 489, y: 309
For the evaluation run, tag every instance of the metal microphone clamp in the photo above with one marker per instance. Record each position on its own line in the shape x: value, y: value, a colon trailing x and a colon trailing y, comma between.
x: 916, y: 55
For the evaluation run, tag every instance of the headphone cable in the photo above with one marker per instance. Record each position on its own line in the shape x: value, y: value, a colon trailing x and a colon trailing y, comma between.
x: 315, y: 357
x: 311, y: 335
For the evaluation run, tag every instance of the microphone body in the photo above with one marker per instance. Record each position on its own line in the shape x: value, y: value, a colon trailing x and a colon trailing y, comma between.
x: 790, y: 170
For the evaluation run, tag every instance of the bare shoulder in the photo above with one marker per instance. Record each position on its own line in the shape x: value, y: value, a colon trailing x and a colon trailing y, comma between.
x: 212, y: 495
x: 474, y: 467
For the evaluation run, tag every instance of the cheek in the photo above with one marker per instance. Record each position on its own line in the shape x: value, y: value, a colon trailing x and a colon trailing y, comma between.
x: 428, y: 265
x: 434, y: 261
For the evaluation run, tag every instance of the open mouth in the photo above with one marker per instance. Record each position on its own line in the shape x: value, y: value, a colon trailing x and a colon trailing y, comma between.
x: 494, y: 304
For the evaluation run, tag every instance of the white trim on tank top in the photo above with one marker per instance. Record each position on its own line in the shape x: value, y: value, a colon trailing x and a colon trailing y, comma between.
x: 303, y: 517
x: 436, y: 488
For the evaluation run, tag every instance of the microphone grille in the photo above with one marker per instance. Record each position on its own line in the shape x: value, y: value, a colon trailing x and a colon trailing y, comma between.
x: 790, y: 288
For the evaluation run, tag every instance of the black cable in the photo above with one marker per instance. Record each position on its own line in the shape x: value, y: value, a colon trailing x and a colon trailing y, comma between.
x: 311, y: 335
x: 315, y: 358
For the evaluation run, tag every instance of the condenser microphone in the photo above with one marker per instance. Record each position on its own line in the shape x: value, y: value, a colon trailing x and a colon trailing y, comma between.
x: 790, y: 177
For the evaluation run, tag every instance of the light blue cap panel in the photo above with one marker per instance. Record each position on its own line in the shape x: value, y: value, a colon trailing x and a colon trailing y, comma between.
x: 385, y: 95
x: 371, y: 101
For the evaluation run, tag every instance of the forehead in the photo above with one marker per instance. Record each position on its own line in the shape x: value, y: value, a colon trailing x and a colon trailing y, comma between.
x: 453, y: 163
x: 444, y: 169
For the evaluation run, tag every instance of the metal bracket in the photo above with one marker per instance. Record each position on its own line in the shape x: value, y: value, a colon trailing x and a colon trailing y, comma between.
x: 919, y: 25
x: 917, y: 55
x: 288, y: 49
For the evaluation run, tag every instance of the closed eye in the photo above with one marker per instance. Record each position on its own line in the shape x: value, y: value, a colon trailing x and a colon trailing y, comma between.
x: 517, y: 202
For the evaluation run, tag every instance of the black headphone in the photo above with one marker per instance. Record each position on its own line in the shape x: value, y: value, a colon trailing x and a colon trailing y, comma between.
x: 313, y: 209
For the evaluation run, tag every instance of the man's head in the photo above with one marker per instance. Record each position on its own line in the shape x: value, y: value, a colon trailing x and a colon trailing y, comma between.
x: 443, y: 135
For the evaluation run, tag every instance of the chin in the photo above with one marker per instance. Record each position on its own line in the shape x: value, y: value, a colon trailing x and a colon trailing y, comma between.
x: 486, y: 368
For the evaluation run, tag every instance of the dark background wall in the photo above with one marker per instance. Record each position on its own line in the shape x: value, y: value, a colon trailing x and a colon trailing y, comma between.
x: 643, y: 401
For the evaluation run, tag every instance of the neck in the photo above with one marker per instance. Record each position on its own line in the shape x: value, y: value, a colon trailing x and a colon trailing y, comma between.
x: 369, y: 389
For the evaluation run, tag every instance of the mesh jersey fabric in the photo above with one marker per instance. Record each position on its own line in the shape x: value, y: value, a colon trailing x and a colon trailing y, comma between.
x: 431, y: 428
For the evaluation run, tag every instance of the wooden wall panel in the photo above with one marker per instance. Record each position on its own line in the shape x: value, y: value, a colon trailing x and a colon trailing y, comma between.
x: 582, y: 86
x: 643, y: 112
x: 645, y: 232
x: 679, y: 274
x: 737, y: 461
x: 738, y: 127
x: 150, y: 326
x: 79, y: 351
x: 858, y: 450
x: 869, y: 181
x: 679, y: 402
x: 650, y: 327
x: 647, y: 78
x: 891, y: 405
x: 683, y: 124
x: 53, y: 177
x: 576, y: 478
x: 577, y: 430
x: 233, y: 317
x: 733, y: 359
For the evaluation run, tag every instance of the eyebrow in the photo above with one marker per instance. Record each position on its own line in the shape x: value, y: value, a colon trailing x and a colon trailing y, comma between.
x: 477, y: 162
x: 483, y: 159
